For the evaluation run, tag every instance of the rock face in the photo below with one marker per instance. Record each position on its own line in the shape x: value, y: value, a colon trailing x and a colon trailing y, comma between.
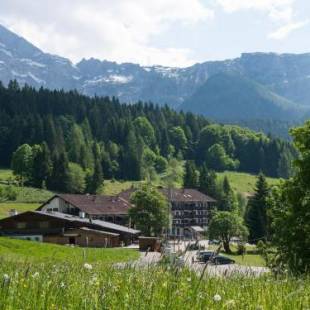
x: 285, y: 75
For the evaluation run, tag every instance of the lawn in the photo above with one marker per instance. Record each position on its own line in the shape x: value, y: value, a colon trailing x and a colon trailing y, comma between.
x: 243, y: 182
x: 20, y: 207
x: 22, y: 250
x: 251, y: 258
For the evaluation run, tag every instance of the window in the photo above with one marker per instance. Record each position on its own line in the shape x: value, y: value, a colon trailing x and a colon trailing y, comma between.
x: 44, y: 224
x: 21, y: 225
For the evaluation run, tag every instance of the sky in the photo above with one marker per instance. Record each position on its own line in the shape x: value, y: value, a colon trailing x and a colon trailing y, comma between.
x: 174, y: 33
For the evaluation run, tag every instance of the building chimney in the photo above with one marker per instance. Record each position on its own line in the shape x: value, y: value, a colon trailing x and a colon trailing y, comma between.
x: 13, y: 212
x: 82, y: 214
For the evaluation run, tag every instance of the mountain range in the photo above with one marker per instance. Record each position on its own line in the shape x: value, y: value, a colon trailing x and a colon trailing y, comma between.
x: 253, y: 86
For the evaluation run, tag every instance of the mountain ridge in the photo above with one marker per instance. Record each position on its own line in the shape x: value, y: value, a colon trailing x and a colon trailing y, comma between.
x: 285, y: 75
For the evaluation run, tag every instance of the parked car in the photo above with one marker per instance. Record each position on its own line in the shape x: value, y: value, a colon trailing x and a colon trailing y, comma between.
x: 214, y: 242
x: 205, y: 256
x: 222, y: 260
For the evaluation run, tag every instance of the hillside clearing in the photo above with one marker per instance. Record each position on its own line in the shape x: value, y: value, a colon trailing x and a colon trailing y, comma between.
x: 19, y: 207
x: 244, y: 182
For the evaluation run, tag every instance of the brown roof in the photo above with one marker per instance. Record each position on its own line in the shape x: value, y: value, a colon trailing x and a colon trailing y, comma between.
x: 183, y: 194
x: 186, y: 195
x: 96, y: 204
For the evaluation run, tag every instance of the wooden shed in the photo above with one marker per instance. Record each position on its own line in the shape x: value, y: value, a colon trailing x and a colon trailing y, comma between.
x: 152, y: 244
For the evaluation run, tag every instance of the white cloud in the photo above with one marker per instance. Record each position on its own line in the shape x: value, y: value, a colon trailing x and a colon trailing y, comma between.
x: 280, y: 12
x: 282, y: 32
x: 276, y: 9
x: 120, y: 30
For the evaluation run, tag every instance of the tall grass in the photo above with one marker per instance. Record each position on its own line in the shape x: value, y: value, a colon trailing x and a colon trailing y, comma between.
x: 71, y: 285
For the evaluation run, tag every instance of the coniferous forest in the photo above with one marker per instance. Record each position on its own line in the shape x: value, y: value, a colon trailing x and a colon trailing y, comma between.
x: 66, y: 134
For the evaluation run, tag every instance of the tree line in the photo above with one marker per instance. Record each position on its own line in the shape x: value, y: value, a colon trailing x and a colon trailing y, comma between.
x: 94, y: 138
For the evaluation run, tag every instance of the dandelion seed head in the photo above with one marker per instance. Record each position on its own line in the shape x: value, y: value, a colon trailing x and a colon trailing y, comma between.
x: 88, y: 266
x: 217, y: 297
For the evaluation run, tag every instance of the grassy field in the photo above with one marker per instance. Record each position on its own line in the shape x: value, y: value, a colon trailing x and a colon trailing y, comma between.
x: 6, y: 174
x: 69, y: 285
x: 22, y: 250
x: 115, y: 187
x: 251, y: 258
x: 20, y: 207
x: 243, y: 182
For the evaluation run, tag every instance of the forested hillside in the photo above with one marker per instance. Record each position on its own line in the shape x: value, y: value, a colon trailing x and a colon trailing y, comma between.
x: 228, y: 96
x: 71, y: 135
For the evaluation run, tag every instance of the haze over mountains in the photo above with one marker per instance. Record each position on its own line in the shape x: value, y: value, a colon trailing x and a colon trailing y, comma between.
x: 254, y: 86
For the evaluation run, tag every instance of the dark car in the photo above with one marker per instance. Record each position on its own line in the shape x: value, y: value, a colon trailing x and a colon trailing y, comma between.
x: 222, y: 260
x: 205, y: 256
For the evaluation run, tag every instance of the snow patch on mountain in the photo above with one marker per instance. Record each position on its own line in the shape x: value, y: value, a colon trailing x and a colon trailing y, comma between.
x: 167, y: 71
x: 17, y: 74
x: 6, y: 52
x: 36, y: 79
x: 32, y: 63
x: 113, y: 78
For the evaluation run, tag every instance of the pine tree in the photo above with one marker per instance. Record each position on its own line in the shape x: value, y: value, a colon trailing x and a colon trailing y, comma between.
x: 256, y: 216
x: 97, y: 178
x: 226, y: 197
x: 190, y: 179
x: 42, y: 165
x: 60, y: 179
x: 95, y: 181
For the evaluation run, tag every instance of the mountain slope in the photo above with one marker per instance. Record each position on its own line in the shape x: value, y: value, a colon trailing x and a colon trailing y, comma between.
x: 22, y: 61
x: 286, y: 75
x: 230, y: 96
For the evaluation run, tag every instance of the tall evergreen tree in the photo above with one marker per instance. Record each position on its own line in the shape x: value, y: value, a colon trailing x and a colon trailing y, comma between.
x: 42, y: 165
x: 60, y: 179
x: 190, y: 179
x: 256, y: 217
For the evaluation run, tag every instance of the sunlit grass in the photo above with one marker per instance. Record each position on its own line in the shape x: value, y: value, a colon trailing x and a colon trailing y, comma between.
x: 69, y: 285
x: 22, y: 250
x: 243, y: 182
x: 20, y: 207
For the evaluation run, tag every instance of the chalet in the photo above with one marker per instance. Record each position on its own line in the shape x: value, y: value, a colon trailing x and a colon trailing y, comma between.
x: 190, y: 210
x: 60, y: 228
x: 97, y: 207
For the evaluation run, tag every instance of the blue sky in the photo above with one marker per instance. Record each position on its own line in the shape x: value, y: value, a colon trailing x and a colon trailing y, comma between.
x: 165, y: 32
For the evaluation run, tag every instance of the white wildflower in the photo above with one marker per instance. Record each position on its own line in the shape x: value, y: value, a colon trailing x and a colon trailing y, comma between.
x: 217, y: 297
x: 62, y: 285
x: 189, y: 279
x: 88, y: 266
x: 6, y: 278
x: 35, y: 275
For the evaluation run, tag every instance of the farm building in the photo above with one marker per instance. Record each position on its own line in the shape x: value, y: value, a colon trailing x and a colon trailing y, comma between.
x: 60, y: 228
x: 107, y: 208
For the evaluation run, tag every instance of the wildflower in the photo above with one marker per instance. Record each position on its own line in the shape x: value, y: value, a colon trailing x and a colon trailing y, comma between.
x: 217, y: 297
x: 62, y: 284
x: 35, y: 275
x: 88, y: 266
x: 189, y: 279
x: 6, y: 278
